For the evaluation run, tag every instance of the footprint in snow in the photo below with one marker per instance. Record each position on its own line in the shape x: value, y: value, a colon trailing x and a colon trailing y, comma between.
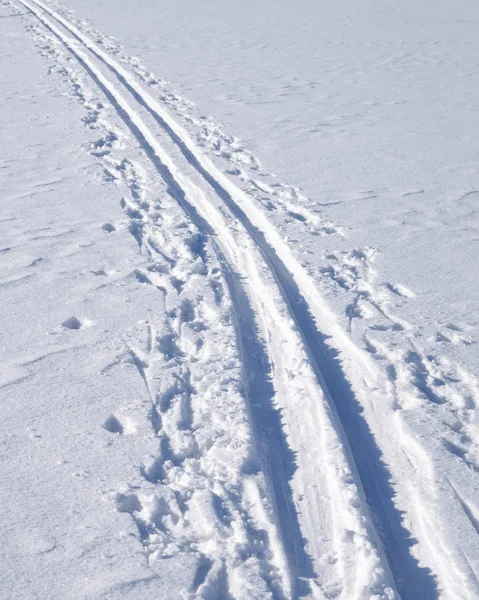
x: 72, y: 323
x: 113, y: 425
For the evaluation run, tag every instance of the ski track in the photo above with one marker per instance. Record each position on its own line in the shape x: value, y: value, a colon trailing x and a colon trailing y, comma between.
x: 339, y: 420
x: 298, y: 560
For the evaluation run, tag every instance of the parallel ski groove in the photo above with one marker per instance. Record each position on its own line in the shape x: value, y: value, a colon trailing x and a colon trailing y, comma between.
x: 373, y: 477
x: 328, y: 371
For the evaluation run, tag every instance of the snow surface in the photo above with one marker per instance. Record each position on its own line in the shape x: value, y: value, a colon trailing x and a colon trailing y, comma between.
x: 218, y: 381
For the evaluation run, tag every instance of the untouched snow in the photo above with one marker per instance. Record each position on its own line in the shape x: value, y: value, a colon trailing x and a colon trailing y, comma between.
x: 220, y: 382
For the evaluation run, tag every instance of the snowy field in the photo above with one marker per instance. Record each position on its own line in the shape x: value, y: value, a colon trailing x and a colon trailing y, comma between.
x: 239, y: 253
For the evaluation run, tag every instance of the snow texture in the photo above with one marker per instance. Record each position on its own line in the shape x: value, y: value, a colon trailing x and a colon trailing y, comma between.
x: 215, y: 384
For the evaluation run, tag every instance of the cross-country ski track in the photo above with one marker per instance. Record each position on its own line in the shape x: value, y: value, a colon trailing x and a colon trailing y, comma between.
x: 331, y: 489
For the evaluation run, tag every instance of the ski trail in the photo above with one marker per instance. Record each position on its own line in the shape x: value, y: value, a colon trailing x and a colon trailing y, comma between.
x: 304, y: 305
x: 282, y: 263
x: 291, y: 371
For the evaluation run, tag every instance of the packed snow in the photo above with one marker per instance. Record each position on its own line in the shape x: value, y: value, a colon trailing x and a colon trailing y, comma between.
x: 238, y: 280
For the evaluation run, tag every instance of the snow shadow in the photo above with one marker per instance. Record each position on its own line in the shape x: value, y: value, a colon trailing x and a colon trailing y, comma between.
x: 277, y: 459
x: 412, y: 581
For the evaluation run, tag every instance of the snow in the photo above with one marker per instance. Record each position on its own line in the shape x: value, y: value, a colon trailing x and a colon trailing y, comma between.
x: 218, y: 381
